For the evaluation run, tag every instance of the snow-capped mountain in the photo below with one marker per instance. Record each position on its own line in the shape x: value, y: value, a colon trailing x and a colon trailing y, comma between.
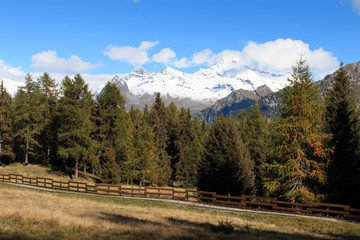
x: 204, y: 86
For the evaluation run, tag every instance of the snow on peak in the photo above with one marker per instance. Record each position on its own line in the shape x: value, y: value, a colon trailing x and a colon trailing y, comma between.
x: 205, y: 85
x: 139, y: 71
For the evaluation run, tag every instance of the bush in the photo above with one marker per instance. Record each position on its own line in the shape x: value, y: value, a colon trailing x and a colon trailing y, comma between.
x: 226, y: 227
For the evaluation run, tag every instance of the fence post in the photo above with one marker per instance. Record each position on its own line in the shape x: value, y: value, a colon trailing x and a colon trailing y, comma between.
x: 145, y: 190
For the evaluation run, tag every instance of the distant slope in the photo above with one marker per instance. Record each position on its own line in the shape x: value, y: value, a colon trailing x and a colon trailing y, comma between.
x: 234, y: 103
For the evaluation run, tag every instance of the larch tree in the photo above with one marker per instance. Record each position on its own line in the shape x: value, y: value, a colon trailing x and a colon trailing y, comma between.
x: 298, y: 168
x: 49, y: 94
x: 73, y: 117
x: 344, y: 127
x: 142, y: 163
x: 27, y: 119
x: 115, y: 121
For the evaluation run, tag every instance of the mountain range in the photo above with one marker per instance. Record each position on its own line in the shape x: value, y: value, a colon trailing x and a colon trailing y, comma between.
x: 197, y: 90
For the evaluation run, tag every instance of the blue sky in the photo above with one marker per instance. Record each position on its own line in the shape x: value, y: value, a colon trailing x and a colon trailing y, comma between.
x: 109, y: 37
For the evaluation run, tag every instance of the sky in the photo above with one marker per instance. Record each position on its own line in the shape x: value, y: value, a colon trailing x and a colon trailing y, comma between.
x: 99, y: 39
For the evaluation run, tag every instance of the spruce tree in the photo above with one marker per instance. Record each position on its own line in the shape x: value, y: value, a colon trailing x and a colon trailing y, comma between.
x: 172, y: 114
x: 114, y: 120
x: 6, y: 126
x: 343, y: 125
x: 27, y: 119
x: 254, y: 130
x: 298, y: 169
x: 226, y: 166
x: 186, y: 158
x: 158, y: 120
x: 49, y: 94
x: 142, y: 163
x: 73, y: 117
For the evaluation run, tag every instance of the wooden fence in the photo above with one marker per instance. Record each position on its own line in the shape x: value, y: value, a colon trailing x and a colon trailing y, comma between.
x: 243, y: 201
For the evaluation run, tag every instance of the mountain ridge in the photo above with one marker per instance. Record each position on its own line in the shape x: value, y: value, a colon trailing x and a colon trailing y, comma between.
x: 196, y: 90
x: 270, y: 103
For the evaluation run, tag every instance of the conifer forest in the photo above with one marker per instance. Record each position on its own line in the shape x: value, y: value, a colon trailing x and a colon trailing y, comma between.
x: 311, y: 152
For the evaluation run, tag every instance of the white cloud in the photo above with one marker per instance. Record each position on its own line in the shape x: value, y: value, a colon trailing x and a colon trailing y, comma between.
x: 182, y: 63
x: 48, y: 61
x: 274, y: 56
x: 132, y: 55
x: 15, y: 77
x: 164, y: 56
x: 356, y: 5
x: 12, y: 77
x: 201, y: 57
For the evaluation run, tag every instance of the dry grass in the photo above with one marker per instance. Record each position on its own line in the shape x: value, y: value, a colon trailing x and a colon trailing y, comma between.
x: 31, y: 214
x: 36, y: 170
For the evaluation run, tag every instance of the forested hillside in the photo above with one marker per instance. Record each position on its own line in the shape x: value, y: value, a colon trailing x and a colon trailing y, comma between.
x: 309, y: 153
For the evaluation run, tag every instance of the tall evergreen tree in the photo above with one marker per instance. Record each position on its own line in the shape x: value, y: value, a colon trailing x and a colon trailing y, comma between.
x: 172, y: 115
x: 187, y: 157
x: 343, y: 125
x: 158, y: 120
x: 141, y: 165
x: 73, y: 118
x: 49, y: 94
x: 226, y: 166
x: 27, y: 119
x: 299, y: 164
x: 6, y: 126
x: 114, y: 128
x: 254, y: 130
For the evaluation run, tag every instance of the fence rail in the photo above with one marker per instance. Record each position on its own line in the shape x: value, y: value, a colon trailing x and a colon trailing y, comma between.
x: 243, y: 201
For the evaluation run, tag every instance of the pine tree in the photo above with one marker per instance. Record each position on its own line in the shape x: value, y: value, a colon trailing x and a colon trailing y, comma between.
x: 158, y: 120
x: 343, y: 125
x: 254, y: 130
x: 299, y: 165
x: 6, y: 125
x: 73, y: 118
x: 226, y: 166
x: 27, y: 119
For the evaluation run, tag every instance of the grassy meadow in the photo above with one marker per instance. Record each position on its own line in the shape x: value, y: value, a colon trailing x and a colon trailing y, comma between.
x: 36, y: 170
x: 33, y: 214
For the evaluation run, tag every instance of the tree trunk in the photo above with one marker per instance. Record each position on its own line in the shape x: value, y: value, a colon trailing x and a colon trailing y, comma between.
x: 27, y: 153
x: 48, y: 155
x: 76, y: 169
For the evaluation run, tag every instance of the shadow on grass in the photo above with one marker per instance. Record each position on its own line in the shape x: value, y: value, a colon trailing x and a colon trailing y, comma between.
x: 125, y: 220
x: 247, y: 231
